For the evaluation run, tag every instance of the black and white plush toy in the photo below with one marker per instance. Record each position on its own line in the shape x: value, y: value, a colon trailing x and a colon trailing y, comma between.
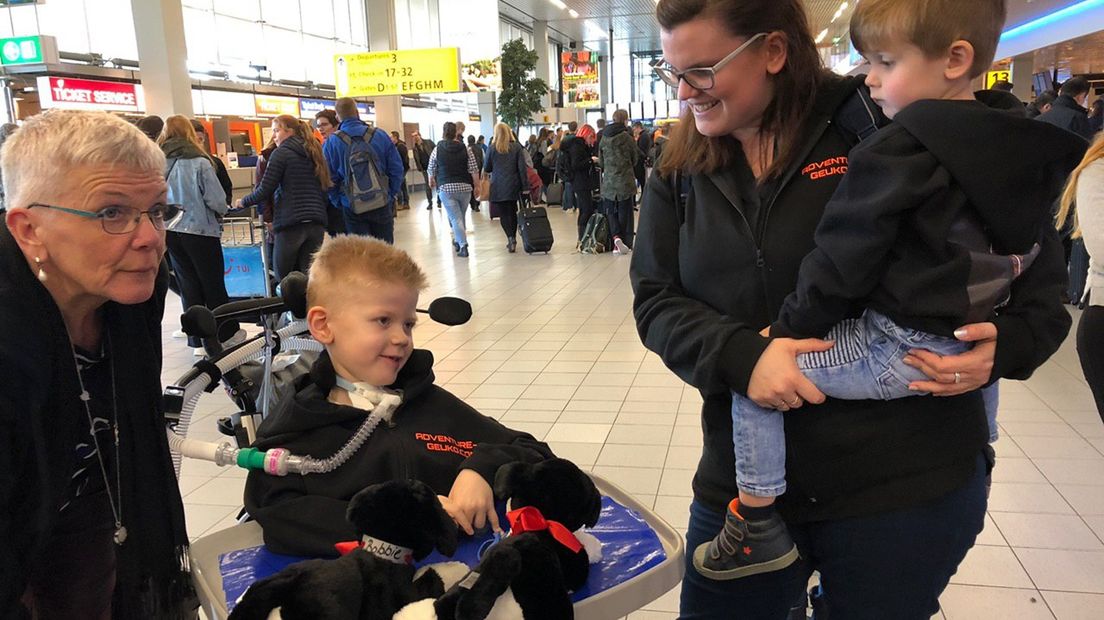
x: 531, y: 573
x: 400, y: 522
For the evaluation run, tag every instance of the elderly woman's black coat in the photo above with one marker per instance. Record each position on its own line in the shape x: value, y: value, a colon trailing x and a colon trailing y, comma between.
x: 39, y: 413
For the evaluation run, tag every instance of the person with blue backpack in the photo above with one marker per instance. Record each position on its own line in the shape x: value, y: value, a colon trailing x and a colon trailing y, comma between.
x: 367, y: 174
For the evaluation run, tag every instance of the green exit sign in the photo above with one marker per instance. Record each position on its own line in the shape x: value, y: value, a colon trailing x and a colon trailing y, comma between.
x: 27, y: 50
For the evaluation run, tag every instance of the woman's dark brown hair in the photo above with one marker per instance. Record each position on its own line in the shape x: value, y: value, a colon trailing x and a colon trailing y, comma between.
x: 795, y: 87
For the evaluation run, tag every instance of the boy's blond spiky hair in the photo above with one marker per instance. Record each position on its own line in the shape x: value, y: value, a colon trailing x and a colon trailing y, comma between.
x: 931, y: 25
x: 348, y: 262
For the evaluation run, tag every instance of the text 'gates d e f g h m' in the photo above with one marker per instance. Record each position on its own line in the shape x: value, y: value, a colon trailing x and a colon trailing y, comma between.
x: 399, y: 72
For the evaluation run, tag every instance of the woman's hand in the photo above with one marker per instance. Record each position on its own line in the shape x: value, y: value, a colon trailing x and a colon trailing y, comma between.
x: 777, y: 383
x: 957, y: 374
x: 237, y: 204
x: 471, y: 502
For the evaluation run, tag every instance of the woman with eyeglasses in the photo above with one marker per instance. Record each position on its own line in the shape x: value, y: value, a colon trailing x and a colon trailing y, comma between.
x: 884, y: 498
x: 91, y: 520
x: 195, y: 238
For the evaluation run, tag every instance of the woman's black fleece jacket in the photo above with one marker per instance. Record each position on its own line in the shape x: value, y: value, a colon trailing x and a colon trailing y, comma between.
x: 431, y: 437
x: 290, y: 184
x: 709, y: 274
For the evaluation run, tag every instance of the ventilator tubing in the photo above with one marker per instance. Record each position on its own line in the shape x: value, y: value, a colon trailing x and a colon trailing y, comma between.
x: 275, y: 461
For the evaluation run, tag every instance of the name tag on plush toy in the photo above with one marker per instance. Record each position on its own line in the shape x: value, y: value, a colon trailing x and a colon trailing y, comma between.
x: 469, y: 581
x: 387, y: 551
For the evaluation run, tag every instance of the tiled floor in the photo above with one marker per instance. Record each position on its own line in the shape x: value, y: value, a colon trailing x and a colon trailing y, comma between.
x: 552, y: 350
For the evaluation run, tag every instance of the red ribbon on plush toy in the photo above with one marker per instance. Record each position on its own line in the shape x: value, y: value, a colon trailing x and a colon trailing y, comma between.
x: 529, y: 519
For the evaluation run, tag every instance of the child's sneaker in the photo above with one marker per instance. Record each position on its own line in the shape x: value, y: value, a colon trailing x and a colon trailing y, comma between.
x: 619, y: 246
x: 744, y: 548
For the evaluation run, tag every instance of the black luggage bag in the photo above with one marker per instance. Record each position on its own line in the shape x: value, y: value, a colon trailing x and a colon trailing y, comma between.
x: 536, y: 231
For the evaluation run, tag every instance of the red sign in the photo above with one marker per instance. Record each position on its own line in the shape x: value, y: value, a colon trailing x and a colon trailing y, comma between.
x: 80, y: 94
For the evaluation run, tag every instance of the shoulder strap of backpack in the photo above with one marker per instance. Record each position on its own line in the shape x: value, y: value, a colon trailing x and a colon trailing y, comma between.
x: 344, y: 137
x: 859, y: 117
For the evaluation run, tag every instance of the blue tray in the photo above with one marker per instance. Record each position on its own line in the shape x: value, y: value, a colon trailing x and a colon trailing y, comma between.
x: 630, y: 547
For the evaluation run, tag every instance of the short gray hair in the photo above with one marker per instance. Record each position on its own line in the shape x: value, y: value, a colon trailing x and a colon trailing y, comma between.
x: 49, y: 145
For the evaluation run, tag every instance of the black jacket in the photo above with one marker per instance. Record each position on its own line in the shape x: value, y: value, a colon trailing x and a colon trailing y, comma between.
x: 290, y: 183
x: 561, y: 159
x: 911, y: 226
x: 709, y: 276
x: 404, y: 155
x: 224, y: 178
x: 431, y: 437
x: 579, y: 168
x: 39, y: 413
x: 1069, y: 115
x: 421, y: 154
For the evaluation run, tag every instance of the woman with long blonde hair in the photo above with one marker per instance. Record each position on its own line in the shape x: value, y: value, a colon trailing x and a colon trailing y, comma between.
x: 1082, y: 210
x: 295, y: 179
x: 509, y: 176
x: 194, y: 239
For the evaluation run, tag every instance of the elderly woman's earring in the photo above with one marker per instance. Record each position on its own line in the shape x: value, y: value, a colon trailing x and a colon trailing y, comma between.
x: 41, y: 272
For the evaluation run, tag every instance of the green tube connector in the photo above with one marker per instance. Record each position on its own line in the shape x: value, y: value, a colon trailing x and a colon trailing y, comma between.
x: 251, y: 458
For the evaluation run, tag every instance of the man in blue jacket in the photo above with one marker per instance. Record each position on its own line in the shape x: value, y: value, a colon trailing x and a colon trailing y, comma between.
x: 381, y: 222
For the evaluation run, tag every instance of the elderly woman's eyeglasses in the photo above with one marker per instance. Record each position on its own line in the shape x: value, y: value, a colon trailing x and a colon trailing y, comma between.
x: 118, y: 220
x: 700, y: 78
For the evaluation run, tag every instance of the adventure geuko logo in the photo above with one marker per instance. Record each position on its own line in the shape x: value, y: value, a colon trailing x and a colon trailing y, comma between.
x: 444, y: 443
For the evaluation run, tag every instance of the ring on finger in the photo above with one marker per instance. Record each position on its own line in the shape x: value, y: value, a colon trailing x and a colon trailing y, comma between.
x: 958, y: 377
x: 796, y: 402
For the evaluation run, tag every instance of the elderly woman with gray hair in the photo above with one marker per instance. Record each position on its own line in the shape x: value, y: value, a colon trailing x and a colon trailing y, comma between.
x: 91, y: 520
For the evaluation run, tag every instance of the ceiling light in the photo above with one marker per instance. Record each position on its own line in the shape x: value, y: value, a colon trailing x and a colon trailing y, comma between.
x: 573, y: 13
x: 559, y: 4
x: 820, y: 37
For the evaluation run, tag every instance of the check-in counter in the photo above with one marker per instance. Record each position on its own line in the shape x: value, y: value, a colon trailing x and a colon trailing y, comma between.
x: 243, y: 181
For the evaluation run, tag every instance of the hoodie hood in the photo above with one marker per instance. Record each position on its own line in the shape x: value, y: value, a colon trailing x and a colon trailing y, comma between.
x: 1005, y: 180
x: 181, y: 148
x: 309, y: 408
x: 613, y: 129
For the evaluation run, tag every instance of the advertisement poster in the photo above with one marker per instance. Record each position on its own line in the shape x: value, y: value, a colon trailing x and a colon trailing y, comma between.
x: 465, y: 25
x: 580, y: 79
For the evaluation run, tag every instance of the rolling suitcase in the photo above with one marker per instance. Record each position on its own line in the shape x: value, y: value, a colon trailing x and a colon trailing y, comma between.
x: 536, y: 231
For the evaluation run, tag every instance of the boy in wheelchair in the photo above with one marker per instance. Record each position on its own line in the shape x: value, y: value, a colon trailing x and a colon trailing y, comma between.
x: 361, y: 299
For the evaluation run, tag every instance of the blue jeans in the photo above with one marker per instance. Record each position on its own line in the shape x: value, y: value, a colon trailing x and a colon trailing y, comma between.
x: 889, y: 565
x: 379, y: 223
x: 568, y: 196
x: 456, y: 206
x: 866, y: 363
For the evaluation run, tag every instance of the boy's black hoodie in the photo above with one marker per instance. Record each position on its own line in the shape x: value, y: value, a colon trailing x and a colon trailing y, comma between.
x: 431, y: 437
x: 909, y: 229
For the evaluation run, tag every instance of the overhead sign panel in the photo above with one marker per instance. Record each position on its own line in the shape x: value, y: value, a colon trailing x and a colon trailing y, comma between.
x: 79, y: 94
x: 28, y: 50
x: 399, y: 72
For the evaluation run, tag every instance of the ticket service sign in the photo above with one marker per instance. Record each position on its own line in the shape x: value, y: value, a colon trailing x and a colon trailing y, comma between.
x: 81, y: 94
